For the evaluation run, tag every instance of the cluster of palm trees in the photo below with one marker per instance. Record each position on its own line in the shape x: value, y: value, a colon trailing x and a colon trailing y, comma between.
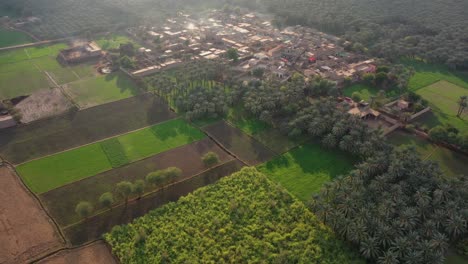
x: 336, y: 128
x: 396, y: 208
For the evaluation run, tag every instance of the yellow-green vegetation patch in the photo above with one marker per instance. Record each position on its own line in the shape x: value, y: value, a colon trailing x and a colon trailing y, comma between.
x: 12, y: 38
x: 443, y: 98
x: 115, y: 152
x: 12, y: 56
x: 451, y: 163
x: 243, y: 218
x: 47, y: 173
x: 304, y: 170
x: 102, y: 89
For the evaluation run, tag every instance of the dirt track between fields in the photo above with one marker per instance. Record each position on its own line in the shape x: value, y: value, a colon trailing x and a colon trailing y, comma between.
x: 26, y: 230
x: 95, y: 253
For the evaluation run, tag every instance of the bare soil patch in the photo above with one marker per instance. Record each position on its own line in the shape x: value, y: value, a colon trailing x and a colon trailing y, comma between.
x: 26, y: 231
x: 240, y: 144
x: 97, y: 253
x: 43, y: 103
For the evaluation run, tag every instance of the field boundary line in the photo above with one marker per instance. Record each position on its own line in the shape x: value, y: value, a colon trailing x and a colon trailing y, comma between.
x: 38, y: 200
x: 136, y: 199
x: 224, y: 148
x: 82, y: 179
x: 94, y: 142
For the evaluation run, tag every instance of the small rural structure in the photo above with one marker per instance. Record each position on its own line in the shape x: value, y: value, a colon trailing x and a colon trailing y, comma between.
x: 81, y: 53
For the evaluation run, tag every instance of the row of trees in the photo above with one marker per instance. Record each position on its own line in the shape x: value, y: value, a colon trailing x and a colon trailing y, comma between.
x: 451, y: 135
x: 125, y: 189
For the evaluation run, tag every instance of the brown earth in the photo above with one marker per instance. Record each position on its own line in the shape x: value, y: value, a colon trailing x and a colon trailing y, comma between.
x: 26, y: 231
x: 240, y: 144
x: 95, y: 253
x: 43, y: 103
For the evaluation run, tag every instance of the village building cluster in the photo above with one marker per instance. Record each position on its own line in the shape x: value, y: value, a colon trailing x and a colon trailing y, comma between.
x: 259, y: 45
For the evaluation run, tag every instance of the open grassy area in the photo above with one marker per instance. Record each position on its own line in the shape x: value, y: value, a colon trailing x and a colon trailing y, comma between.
x: 304, y: 170
x: 23, y: 79
x: 454, y: 258
x: 11, y: 38
x: 22, y: 71
x: 114, y: 41
x: 443, y: 99
x: 451, y: 163
x: 51, y: 172
x: 102, y: 89
x: 426, y: 74
x: 367, y: 91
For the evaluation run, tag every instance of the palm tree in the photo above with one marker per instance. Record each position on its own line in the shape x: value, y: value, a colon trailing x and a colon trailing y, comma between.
x: 369, y: 248
x: 462, y: 104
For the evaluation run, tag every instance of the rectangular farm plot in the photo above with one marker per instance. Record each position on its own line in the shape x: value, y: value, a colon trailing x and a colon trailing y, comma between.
x: 51, y: 172
x: 240, y: 144
x: 54, y: 171
x: 305, y: 169
x: 60, y: 73
x: 164, y: 136
x: 11, y: 38
x: 443, y: 97
x: 61, y: 202
x: 75, y: 128
x: 21, y: 78
x: 100, y: 90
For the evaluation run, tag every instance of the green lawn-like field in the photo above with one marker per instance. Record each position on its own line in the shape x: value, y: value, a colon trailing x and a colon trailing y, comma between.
x: 54, y: 171
x: 114, y: 41
x: 443, y: 98
x: 451, y: 163
x: 20, y: 78
x: 427, y: 74
x: 103, y: 89
x: 305, y: 169
x: 12, y: 38
x: 50, y: 172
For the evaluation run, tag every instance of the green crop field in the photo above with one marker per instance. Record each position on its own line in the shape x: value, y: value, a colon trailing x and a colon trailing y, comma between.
x: 304, y: 170
x: 427, y: 74
x: 11, y: 38
x: 53, y: 171
x: 443, y: 99
x: 114, y: 41
x: 76, y: 128
x: 451, y: 163
x: 103, y: 89
x: 33, y: 62
x: 13, y: 81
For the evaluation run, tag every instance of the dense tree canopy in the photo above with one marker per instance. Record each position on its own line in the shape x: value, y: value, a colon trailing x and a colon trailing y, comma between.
x: 244, y: 218
x: 434, y: 30
x: 396, y: 208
